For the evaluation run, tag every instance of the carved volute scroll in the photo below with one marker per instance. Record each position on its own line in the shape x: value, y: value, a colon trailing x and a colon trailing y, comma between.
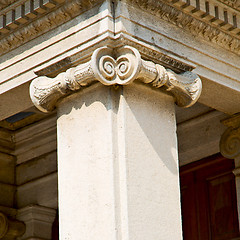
x: 3, y: 225
x: 10, y: 228
x: 119, y: 66
x: 230, y: 140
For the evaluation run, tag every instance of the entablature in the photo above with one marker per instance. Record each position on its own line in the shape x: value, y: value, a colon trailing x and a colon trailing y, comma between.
x: 216, y: 21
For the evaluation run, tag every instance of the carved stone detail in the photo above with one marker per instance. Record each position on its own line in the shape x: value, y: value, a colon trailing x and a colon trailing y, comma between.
x: 115, y: 67
x: 224, y: 34
x: 194, y: 17
x: 232, y: 3
x: 11, y: 33
x: 9, y: 228
x: 230, y: 140
x: 5, y: 3
x: 3, y: 225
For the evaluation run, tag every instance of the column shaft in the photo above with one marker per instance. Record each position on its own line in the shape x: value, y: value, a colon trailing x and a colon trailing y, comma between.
x: 118, y: 166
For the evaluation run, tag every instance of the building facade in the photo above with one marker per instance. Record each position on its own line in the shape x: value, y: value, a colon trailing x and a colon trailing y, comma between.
x: 106, y: 105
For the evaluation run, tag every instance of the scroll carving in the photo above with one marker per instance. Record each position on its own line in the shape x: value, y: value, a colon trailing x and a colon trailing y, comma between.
x: 9, y: 228
x: 3, y: 225
x: 115, y: 67
x: 230, y: 140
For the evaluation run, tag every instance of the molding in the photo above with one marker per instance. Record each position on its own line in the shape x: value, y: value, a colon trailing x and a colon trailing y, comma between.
x: 5, y: 3
x: 38, y: 221
x: 230, y: 140
x: 232, y: 3
x: 23, y: 12
x: 22, y: 24
x: 159, y: 56
x: 215, y: 22
x: 213, y: 26
x: 118, y: 66
x: 9, y: 228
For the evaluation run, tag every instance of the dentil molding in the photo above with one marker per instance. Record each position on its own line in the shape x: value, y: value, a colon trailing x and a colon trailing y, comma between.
x: 210, y: 20
x: 25, y: 20
x: 232, y: 3
x: 217, y: 21
x: 5, y: 3
x: 230, y: 140
x: 119, y: 66
x: 9, y: 228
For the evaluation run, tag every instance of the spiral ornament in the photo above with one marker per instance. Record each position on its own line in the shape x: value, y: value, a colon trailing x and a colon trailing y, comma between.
x: 107, y: 67
x: 230, y: 143
x: 122, y: 69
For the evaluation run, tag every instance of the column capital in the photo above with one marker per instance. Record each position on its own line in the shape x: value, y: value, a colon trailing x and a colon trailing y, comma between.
x: 10, y: 228
x: 230, y: 139
x: 118, y: 66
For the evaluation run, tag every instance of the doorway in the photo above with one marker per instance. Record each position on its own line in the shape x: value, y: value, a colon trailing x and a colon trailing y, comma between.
x: 208, y: 199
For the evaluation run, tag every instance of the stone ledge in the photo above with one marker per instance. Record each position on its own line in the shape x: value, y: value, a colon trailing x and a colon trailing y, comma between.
x: 23, y: 12
x: 212, y: 20
x: 21, y: 23
x: 215, y: 26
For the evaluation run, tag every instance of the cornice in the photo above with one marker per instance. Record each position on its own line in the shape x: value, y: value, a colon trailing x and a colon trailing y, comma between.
x: 208, y: 20
x: 232, y: 3
x: 115, y: 66
x: 5, y: 3
x: 29, y: 19
x: 216, y: 21
x: 230, y: 140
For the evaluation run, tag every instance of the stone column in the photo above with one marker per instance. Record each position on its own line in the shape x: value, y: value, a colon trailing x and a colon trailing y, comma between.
x: 230, y: 148
x: 38, y: 221
x: 10, y: 228
x: 117, y: 146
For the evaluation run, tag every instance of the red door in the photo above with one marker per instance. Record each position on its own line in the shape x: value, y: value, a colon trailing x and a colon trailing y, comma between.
x: 208, y: 197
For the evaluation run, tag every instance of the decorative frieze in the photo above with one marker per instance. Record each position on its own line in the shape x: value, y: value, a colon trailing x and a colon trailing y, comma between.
x: 220, y: 27
x: 212, y: 12
x: 5, y: 3
x: 230, y: 140
x: 10, y: 228
x: 115, y: 67
x: 24, y: 12
x: 29, y: 20
x: 232, y: 3
x: 207, y: 19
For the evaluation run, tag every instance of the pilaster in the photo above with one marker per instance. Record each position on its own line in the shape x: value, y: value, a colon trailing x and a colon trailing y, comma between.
x: 10, y: 228
x: 117, y: 146
x: 230, y: 148
x: 230, y: 140
x: 38, y: 221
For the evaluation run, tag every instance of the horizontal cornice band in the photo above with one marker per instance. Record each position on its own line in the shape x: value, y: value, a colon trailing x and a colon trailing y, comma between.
x: 30, y: 19
x: 217, y: 21
x: 198, y: 22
